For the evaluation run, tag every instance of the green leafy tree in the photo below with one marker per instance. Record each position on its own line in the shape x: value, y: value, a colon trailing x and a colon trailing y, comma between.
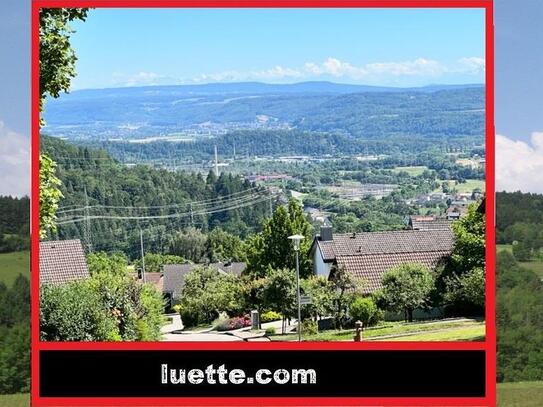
x: 57, y: 57
x: 345, y: 287
x: 321, y: 292
x: 274, y: 249
x: 50, y: 195
x: 154, y: 262
x: 407, y: 287
x: 469, y: 245
x: 467, y: 291
x: 224, y: 246
x: 521, y: 251
x: 206, y: 293
x: 189, y: 244
x: 280, y: 293
x: 365, y: 310
x: 101, y: 262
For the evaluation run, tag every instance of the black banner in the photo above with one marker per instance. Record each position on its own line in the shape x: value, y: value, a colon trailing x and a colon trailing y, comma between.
x: 390, y: 373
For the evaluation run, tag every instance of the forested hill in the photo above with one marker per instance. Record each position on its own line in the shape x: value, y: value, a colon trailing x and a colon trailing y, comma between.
x: 519, y: 219
x: 358, y: 111
x: 122, y: 199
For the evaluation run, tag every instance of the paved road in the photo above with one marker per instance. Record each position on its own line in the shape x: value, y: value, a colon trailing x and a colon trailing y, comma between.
x: 195, y: 337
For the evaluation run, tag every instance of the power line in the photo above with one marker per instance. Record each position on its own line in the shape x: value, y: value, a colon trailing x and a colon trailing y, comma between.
x: 74, y: 208
x: 236, y: 205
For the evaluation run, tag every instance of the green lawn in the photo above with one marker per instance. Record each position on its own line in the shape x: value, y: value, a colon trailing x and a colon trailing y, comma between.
x: 523, y: 394
x: 14, y: 400
x: 412, y: 171
x: 476, y: 333
x: 11, y: 264
x: 446, y: 330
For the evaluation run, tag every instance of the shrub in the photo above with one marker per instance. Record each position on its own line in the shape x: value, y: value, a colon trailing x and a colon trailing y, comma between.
x: 234, y: 323
x: 309, y: 327
x: 364, y: 309
x: 270, y: 316
x: 270, y: 330
x: 109, y: 306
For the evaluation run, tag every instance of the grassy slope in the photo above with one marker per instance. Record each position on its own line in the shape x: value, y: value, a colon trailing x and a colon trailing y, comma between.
x: 11, y: 264
x: 523, y: 394
x: 14, y: 400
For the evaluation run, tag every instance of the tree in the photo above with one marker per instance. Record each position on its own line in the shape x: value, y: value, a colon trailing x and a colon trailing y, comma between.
x: 407, y: 287
x: 189, y: 244
x: 345, y: 287
x: 223, y: 246
x: 280, y: 293
x: 274, y: 249
x: 321, y: 292
x: 469, y: 245
x: 364, y: 309
x: 521, y: 251
x: 57, y: 57
x: 50, y: 195
x: 467, y: 292
x: 103, y: 263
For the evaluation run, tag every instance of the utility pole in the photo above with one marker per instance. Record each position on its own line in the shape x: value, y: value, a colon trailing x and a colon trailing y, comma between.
x: 142, y: 257
x: 86, y: 225
x: 271, y: 207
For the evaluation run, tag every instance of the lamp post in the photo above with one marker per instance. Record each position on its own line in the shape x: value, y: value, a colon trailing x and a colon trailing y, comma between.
x: 296, y: 239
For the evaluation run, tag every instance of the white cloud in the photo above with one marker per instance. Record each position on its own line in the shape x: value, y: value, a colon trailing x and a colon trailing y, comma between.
x: 142, y: 79
x: 519, y: 165
x: 473, y: 65
x: 14, y: 162
x: 371, y: 73
x: 376, y: 72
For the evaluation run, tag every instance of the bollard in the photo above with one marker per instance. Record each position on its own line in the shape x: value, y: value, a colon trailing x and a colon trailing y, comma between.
x: 255, y: 320
x: 358, y: 331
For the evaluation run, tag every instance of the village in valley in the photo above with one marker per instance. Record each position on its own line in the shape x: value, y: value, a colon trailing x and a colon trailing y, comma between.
x: 384, y: 259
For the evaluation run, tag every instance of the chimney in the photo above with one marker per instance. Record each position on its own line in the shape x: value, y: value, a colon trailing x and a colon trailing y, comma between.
x: 326, y: 233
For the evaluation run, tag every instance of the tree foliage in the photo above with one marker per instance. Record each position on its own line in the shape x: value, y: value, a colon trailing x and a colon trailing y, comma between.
x: 109, y: 306
x: 273, y: 248
x: 407, y: 287
x: 50, y: 195
x: 57, y: 57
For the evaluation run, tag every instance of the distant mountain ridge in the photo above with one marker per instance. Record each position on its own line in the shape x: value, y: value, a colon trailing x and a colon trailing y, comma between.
x: 216, y: 108
x: 261, y: 87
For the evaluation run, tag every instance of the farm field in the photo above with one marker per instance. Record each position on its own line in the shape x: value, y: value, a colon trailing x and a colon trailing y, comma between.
x: 522, y: 394
x: 466, y: 187
x: 11, y: 264
x: 412, y: 171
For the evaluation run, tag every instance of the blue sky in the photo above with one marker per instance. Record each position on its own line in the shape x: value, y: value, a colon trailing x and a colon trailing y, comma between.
x: 518, y: 73
x: 398, y: 47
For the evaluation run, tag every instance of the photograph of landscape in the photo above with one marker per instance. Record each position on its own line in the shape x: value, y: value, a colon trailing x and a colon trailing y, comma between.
x: 263, y: 175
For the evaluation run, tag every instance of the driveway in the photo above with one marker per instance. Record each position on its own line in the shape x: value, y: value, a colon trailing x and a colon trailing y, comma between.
x: 200, y: 337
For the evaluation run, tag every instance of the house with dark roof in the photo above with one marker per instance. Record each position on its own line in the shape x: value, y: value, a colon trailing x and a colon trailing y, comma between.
x: 370, y: 255
x: 174, y: 275
x: 62, y: 261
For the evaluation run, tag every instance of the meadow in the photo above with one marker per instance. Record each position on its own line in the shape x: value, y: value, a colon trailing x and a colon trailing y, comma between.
x: 13, y: 264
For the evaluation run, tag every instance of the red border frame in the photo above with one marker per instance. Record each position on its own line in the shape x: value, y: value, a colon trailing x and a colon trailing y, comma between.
x: 489, y: 345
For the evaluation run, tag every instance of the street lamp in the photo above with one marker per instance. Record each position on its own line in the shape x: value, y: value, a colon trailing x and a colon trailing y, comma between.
x: 296, y: 239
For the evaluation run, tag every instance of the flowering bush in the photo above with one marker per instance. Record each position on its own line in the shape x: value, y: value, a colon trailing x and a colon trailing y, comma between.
x: 234, y: 323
